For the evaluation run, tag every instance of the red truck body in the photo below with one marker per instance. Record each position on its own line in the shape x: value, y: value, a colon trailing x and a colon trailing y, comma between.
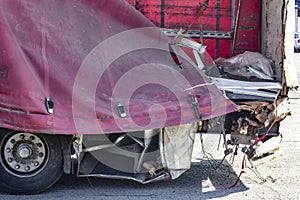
x: 45, y: 60
x: 94, y: 88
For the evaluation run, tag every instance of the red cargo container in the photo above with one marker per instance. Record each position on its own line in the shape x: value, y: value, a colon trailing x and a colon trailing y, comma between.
x: 218, y: 22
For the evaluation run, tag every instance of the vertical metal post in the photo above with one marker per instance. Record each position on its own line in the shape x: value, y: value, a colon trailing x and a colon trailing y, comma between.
x: 162, y: 14
x: 218, y: 27
x: 232, y: 22
x: 236, y: 26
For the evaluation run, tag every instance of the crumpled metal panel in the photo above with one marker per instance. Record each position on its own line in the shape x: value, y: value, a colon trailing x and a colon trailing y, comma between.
x: 104, y: 71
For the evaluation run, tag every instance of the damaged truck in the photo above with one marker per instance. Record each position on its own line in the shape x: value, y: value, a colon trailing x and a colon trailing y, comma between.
x: 118, y: 89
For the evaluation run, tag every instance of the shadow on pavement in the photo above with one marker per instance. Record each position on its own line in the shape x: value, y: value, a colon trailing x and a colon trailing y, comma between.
x: 199, y: 182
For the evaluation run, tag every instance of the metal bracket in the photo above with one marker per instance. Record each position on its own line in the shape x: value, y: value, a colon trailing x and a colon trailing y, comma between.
x: 196, y: 34
x: 180, y: 41
x: 122, y: 111
x: 195, y: 104
x: 49, y: 105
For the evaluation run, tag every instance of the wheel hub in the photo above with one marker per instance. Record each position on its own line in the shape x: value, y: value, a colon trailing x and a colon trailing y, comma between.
x: 24, y: 154
x: 24, y: 151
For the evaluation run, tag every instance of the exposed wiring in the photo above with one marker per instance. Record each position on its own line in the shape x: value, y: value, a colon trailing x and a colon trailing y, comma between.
x: 216, y: 165
x: 238, y: 179
x: 259, y: 176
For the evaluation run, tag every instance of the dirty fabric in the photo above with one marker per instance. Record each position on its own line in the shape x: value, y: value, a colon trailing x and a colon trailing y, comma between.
x: 178, y: 148
x: 70, y: 67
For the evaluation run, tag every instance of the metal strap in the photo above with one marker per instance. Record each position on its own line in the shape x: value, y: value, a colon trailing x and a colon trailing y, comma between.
x: 196, y: 33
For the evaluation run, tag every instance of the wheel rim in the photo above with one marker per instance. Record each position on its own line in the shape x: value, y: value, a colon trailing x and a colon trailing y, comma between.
x: 24, y: 154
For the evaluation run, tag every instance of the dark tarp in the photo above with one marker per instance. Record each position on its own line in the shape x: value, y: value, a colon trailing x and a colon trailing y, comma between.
x: 88, y: 56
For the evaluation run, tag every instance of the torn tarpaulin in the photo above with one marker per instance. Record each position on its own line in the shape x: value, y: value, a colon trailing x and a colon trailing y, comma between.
x: 89, y: 60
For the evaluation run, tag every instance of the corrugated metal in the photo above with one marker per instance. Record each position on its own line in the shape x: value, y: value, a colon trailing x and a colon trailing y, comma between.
x: 219, y: 16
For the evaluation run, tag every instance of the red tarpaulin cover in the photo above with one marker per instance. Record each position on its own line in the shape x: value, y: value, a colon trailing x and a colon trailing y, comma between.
x: 90, y: 56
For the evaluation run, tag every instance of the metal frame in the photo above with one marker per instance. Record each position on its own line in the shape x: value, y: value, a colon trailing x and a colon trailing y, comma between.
x: 196, y: 33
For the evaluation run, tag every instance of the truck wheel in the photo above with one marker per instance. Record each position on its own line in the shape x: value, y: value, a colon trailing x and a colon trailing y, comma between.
x: 29, y: 163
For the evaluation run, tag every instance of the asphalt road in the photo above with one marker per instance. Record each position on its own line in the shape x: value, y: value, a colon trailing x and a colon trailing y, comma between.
x: 279, y: 179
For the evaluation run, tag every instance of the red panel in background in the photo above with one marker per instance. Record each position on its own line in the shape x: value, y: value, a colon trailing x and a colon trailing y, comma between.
x: 175, y: 14
x: 248, y: 32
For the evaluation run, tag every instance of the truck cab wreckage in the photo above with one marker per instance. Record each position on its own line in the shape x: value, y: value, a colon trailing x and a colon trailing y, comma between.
x: 94, y: 88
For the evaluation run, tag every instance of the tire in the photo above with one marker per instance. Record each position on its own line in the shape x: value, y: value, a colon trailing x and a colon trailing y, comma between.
x: 29, y: 163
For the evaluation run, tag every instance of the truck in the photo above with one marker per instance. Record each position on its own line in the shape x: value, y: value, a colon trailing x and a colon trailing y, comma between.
x: 118, y: 89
